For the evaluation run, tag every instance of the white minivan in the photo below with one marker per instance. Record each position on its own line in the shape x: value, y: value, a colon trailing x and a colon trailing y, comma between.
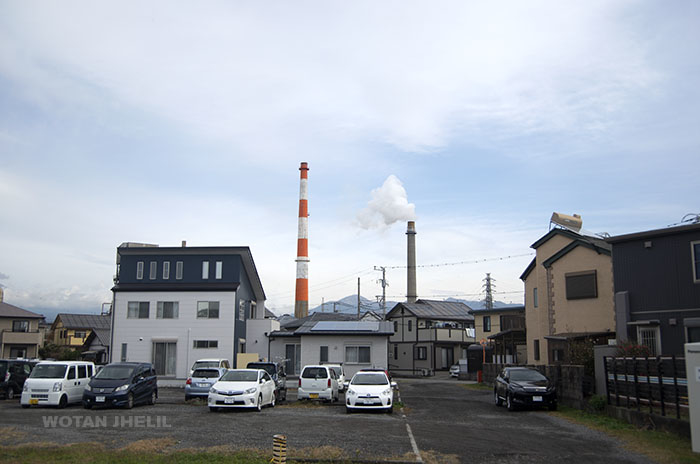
x: 318, y: 382
x: 57, y: 383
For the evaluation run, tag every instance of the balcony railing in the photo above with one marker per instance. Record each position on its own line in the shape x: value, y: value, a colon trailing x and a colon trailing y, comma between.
x: 20, y: 338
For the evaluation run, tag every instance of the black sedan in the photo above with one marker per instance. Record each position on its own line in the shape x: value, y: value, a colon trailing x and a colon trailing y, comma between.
x: 522, y: 386
x: 122, y: 384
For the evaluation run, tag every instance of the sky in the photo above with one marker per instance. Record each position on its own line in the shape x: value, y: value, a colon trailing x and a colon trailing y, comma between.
x: 159, y: 122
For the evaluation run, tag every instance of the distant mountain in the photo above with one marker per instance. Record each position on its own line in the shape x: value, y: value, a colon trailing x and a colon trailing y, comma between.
x: 348, y: 305
x: 479, y: 304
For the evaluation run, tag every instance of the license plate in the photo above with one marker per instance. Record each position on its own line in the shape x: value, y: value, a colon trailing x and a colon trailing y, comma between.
x: 34, y: 401
x: 368, y: 401
x: 202, y: 385
x: 228, y: 400
x: 99, y: 399
x: 536, y: 398
x: 313, y: 395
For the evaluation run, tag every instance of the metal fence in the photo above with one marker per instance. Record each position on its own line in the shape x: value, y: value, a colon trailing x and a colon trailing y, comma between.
x: 659, y: 384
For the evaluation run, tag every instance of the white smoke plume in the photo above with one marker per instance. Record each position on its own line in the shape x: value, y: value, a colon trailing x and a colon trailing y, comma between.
x: 388, y: 205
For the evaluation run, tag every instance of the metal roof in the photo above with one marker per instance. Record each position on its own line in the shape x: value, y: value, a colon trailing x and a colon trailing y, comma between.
x: 83, y: 321
x: 8, y: 310
x: 319, y: 316
x: 345, y: 328
x: 433, y: 309
x: 500, y: 309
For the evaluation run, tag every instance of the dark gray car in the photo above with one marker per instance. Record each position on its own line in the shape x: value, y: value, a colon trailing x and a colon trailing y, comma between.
x: 276, y: 371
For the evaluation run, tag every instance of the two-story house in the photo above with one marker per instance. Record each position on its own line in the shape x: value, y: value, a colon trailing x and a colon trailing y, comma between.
x: 175, y: 305
x: 657, y: 287
x: 19, y: 332
x: 71, y: 330
x: 568, y: 295
x: 504, y: 329
x: 429, y: 335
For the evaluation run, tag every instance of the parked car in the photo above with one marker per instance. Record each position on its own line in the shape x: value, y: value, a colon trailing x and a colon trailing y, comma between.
x: 454, y: 370
x: 370, y: 390
x: 56, y: 383
x: 214, y: 362
x: 277, y: 373
x: 522, y: 386
x: 242, y: 388
x: 201, y: 381
x: 318, y: 382
x: 377, y: 369
x: 340, y: 374
x: 13, y: 373
x: 122, y: 384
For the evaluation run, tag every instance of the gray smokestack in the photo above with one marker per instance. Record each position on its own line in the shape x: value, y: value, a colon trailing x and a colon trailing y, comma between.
x: 412, y: 294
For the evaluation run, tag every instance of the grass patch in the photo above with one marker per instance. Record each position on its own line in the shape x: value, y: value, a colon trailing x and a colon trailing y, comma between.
x: 476, y: 386
x: 662, y: 447
x: 10, y: 435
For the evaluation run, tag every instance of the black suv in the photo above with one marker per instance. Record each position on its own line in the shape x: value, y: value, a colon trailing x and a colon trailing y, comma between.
x: 122, y: 384
x: 277, y: 373
x: 13, y: 373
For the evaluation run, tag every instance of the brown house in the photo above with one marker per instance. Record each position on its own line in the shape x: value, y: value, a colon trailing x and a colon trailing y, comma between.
x: 19, y: 332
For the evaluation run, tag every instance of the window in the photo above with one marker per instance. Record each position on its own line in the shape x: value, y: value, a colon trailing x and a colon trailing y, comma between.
x: 138, y: 310
x: 357, y: 355
x: 535, y: 300
x: 165, y: 358
x: 421, y: 352
x: 396, y: 351
x: 695, y: 252
x: 79, y: 334
x: 396, y: 326
x: 253, y: 309
x: 178, y: 270
x: 241, y: 309
x: 153, y: 271
x: 139, y: 270
x: 18, y: 352
x: 206, y: 344
x: 20, y: 326
x: 324, y: 354
x: 168, y: 310
x: 82, y: 371
x: 410, y: 325
x: 123, y: 352
x: 649, y: 337
x: 558, y: 355
x: 208, y: 309
x: 71, y: 372
x: 166, y: 270
x: 536, y: 350
x: 205, y: 269
x: 219, y: 269
x: 692, y: 329
x: 487, y: 323
x: 580, y: 285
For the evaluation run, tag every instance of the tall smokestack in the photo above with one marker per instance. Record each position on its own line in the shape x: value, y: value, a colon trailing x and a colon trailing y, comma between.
x: 412, y: 294
x: 301, y: 300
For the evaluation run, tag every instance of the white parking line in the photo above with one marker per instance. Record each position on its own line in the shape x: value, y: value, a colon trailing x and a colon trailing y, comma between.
x: 414, y: 445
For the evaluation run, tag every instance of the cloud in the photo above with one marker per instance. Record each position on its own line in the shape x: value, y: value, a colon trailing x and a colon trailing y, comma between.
x: 389, y: 204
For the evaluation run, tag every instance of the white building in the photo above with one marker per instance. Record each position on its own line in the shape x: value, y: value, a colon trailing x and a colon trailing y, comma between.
x: 174, y: 305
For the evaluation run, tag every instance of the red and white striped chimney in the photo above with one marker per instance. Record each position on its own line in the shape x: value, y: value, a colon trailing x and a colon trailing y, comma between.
x: 301, y: 300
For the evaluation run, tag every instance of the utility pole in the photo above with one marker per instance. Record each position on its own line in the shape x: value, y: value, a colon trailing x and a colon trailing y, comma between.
x: 358, y: 299
x: 488, y: 290
x: 382, y: 299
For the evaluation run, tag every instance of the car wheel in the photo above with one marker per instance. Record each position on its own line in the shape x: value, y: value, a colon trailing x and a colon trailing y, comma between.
x: 213, y: 409
x: 10, y: 393
x: 188, y: 397
x: 390, y: 410
x: 259, y: 405
x: 87, y: 405
x: 130, y: 401
x: 25, y: 406
x: 509, y: 402
x: 63, y: 402
x: 154, y: 397
x: 348, y: 410
x: 497, y: 399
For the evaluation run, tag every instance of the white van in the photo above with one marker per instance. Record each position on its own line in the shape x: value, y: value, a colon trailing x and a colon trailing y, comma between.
x: 57, y: 383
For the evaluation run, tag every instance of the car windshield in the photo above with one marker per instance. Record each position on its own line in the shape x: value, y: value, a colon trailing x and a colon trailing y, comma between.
x: 49, y: 371
x: 200, y: 364
x: 526, y: 375
x: 315, y: 373
x: 3, y: 369
x: 269, y: 368
x: 206, y: 374
x: 240, y: 376
x: 115, y: 372
x: 370, y: 379
x: 338, y: 370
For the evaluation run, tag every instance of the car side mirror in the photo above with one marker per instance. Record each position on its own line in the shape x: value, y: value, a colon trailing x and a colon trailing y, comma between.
x: 394, y: 385
x: 346, y: 384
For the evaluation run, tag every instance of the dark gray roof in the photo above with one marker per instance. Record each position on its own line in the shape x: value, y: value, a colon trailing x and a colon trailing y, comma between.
x: 355, y: 327
x: 84, y: 321
x: 433, y: 309
x: 654, y: 233
x: 318, y: 316
x: 101, y: 335
x: 498, y: 310
x: 8, y: 310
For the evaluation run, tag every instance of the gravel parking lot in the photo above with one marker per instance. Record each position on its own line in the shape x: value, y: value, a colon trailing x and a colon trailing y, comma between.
x: 442, y: 419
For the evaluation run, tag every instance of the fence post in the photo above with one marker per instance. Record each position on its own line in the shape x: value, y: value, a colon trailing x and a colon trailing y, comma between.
x: 675, y: 386
x: 607, y: 378
x: 636, y: 382
x: 627, y: 383
x: 617, y: 393
x: 279, y: 449
x: 660, y: 374
x: 651, y: 393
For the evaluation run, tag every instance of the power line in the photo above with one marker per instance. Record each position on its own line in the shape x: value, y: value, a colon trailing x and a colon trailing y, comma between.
x: 500, y: 258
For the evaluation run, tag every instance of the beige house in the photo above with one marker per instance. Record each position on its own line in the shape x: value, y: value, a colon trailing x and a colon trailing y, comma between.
x: 503, y: 329
x: 568, y: 294
x: 19, y: 332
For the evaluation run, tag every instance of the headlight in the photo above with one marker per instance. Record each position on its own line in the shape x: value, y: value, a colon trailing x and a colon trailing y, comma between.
x: 387, y: 392
x: 122, y: 388
x: 250, y: 391
x: 26, y: 387
x: 88, y: 388
x: 212, y: 390
x: 351, y: 392
x: 58, y: 386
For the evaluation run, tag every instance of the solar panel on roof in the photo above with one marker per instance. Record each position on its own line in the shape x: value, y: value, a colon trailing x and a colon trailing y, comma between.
x: 331, y: 326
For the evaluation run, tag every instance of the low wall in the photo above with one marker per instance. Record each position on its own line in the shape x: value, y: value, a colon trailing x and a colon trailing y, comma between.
x: 648, y: 421
x: 568, y: 380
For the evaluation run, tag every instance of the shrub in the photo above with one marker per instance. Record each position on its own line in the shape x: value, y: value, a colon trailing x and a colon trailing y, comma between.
x: 597, y: 403
x: 630, y: 349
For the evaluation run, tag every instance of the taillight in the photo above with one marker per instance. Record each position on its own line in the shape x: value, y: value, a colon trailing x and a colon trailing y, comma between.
x: 329, y: 383
x: 189, y: 381
x: 299, y: 382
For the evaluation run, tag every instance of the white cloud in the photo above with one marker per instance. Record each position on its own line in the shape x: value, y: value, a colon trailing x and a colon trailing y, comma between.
x: 389, y: 204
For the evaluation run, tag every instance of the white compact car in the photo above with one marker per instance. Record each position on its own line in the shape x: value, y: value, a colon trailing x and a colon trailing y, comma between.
x: 57, y: 383
x: 318, y: 382
x: 242, y: 388
x: 370, y: 390
x: 339, y: 373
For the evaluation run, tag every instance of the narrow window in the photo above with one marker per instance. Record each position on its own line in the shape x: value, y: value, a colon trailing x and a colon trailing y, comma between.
x: 410, y: 325
x: 153, y: 270
x: 205, y: 269
x: 535, y: 301
x: 396, y: 326
x: 487, y: 323
x: 139, y: 270
x: 178, y: 270
x: 396, y: 351
x: 219, y: 269
x: 253, y: 309
x: 166, y: 270
x: 695, y: 251
x: 123, y: 352
x: 536, y: 350
x: 324, y: 354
